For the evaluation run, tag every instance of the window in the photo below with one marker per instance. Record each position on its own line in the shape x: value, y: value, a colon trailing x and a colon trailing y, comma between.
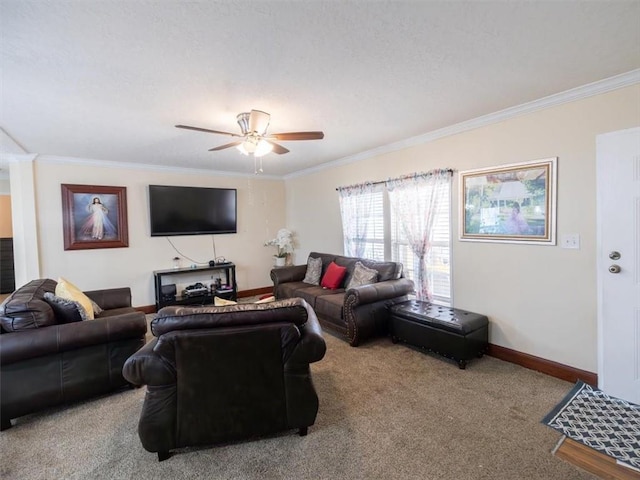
x: 372, y: 244
x: 361, y: 208
x: 438, y: 260
x: 373, y: 230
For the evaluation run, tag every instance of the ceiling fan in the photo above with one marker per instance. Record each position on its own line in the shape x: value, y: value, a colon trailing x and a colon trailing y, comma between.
x: 254, y: 139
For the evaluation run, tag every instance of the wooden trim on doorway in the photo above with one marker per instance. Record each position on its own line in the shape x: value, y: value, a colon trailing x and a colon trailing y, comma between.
x: 593, y: 461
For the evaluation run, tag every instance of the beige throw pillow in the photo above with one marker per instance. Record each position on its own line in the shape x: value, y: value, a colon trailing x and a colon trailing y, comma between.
x: 314, y: 271
x: 362, y: 276
x: 68, y: 290
x: 222, y: 302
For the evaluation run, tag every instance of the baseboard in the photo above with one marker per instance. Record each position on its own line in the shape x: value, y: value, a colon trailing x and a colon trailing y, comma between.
x: 254, y: 291
x: 554, y: 369
x: 241, y: 294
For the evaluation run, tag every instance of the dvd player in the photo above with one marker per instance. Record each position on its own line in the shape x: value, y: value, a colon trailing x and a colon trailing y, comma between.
x: 195, y: 292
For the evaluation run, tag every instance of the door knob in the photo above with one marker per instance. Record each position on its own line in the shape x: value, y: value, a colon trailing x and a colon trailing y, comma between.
x: 614, y: 269
x: 614, y: 255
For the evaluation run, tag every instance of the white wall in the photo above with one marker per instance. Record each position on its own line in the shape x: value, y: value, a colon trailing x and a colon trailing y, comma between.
x: 540, y: 300
x: 261, y: 212
x: 5, y: 185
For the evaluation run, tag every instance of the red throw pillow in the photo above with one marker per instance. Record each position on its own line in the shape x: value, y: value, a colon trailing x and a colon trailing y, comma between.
x: 333, y: 276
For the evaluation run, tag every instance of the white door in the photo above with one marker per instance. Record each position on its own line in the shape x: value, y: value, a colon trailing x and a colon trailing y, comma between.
x: 618, y: 217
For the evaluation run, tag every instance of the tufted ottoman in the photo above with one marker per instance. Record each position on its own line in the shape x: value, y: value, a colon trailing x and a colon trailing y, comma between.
x: 451, y: 332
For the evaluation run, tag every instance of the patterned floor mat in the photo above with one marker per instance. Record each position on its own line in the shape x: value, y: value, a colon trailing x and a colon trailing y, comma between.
x: 604, y: 423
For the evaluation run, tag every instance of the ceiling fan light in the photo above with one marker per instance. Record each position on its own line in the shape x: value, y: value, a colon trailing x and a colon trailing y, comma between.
x: 250, y: 145
x: 263, y: 148
x: 242, y: 149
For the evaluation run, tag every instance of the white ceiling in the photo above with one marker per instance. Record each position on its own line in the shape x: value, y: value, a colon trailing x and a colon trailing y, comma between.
x: 108, y: 80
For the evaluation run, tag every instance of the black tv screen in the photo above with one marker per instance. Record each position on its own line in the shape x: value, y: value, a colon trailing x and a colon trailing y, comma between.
x: 191, y: 210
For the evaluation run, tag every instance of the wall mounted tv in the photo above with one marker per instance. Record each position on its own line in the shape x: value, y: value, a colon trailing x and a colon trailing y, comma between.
x: 192, y: 210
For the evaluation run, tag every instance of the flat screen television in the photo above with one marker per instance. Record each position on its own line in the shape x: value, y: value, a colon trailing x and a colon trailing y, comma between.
x: 192, y: 210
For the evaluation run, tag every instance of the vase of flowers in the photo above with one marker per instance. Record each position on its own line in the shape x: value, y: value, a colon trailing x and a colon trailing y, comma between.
x: 284, y: 245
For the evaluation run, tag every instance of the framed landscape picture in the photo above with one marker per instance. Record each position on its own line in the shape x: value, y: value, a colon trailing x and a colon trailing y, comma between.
x: 94, y: 216
x: 513, y: 203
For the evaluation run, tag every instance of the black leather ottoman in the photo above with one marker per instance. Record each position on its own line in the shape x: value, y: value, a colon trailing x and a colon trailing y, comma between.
x: 451, y: 332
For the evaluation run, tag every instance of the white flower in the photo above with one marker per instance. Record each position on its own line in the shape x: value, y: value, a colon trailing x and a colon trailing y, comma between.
x: 283, y: 242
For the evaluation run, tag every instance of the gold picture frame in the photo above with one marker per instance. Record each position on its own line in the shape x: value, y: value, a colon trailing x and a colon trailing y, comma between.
x: 513, y: 203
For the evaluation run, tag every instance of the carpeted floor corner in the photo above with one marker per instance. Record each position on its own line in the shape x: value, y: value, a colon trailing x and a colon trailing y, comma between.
x: 386, y: 412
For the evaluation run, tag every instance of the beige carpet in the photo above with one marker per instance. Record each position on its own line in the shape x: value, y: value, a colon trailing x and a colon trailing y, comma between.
x: 386, y: 412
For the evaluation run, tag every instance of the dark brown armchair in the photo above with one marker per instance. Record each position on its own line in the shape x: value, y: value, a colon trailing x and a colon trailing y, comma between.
x: 224, y: 373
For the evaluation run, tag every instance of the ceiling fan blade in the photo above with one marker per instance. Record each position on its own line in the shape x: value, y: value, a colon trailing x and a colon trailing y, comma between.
x: 279, y: 149
x: 226, y: 145
x: 198, y: 129
x: 297, y: 136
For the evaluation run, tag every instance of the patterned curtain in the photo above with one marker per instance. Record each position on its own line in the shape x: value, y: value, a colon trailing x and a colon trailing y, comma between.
x: 356, y: 209
x: 414, y: 200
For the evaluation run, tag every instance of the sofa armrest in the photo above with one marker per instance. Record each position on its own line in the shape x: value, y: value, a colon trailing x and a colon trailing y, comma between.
x: 145, y: 367
x: 111, y: 298
x: 38, y: 342
x: 294, y: 273
x: 376, y: 292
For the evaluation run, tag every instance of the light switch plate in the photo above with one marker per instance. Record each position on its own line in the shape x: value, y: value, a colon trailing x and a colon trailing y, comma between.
x: 570, y: 240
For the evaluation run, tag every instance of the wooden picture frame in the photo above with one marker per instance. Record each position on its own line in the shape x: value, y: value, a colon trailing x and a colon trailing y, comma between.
x: 513, y: 203
x: 94, y: 216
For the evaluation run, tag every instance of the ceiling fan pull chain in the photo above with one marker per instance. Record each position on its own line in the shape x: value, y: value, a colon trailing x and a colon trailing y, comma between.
x: 261, y: 170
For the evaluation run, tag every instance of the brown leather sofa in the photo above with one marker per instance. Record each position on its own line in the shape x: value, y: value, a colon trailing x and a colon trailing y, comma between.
x: 216, y: 374
x: 358, y: 313
x: 44, y: 362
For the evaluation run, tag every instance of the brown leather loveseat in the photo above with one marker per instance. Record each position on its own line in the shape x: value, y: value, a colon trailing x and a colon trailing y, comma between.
x: 216, y: 374
x: 45, y: 362
x: 358, y: 313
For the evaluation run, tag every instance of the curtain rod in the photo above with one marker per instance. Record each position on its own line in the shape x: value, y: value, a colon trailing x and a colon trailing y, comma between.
x: 380, y: 182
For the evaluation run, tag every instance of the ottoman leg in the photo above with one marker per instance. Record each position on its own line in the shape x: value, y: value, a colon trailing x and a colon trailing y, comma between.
x: 462, y: 364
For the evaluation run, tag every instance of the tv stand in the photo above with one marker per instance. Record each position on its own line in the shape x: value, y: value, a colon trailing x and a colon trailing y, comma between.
x: 231, y: 293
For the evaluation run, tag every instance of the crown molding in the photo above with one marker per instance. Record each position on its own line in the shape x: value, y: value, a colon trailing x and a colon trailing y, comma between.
x: 596, y: 88
x: 8, y: 145
x: 155, y: 168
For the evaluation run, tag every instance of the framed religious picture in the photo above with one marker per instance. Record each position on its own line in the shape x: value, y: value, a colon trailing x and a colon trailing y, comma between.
x: 513, y: 203
x: 94, y: 216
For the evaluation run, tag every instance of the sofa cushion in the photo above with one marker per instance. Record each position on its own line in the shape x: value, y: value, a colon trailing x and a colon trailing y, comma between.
x: 362, y: 276
x: 314, y: 271
x: 289, y: 289
x: 311, y: 294
x: 330, y: 305
x: 66, y: 311
x: 26, y: 308
x: 332, y: 278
